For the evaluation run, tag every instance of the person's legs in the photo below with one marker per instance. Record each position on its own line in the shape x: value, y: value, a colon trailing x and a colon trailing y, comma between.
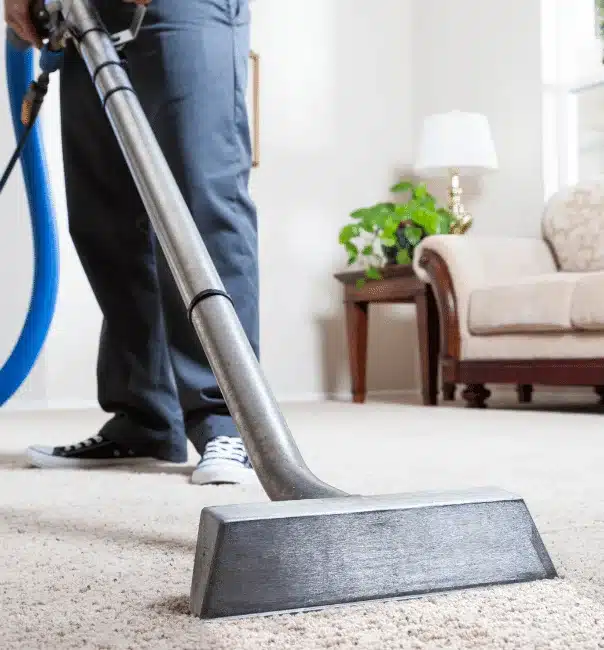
x: 189, y: 67
x: 109, y: 229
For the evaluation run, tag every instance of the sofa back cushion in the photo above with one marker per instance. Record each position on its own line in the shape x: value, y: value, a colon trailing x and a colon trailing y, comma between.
x: 573, y: 225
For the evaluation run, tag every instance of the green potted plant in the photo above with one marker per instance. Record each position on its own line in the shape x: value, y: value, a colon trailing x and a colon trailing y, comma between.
x: 387, y: 233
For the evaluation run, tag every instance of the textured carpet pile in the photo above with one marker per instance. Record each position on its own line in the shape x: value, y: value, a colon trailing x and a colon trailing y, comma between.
x: 103, y: 559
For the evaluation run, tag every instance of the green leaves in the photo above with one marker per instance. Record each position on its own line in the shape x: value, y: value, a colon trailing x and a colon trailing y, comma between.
x: 447, y: 220
x: 405, y: 186
x: 373, y: 274
x: 368, y: 250
x: 349, y: 232
x: 433, y: 221
x: 374, y: 218
x: 392, y: 229
x: 403, y: 257
x: 391, y: 225
x: 429, y: 220
x: 420, y: 192
x: 413, y: 235
x: 403, y: 211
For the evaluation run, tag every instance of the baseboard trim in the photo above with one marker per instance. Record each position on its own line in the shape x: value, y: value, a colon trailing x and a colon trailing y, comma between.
x: 498, y: 392
x: 21, y: 405
x: 346, y: 396
x: 410, y: 396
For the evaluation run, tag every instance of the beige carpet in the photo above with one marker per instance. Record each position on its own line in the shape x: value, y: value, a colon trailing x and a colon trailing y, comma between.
x: 103, y: 559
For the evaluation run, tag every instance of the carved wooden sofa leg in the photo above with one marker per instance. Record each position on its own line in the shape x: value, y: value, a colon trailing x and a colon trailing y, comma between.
x: 476, y: 395
x: 525, y: 393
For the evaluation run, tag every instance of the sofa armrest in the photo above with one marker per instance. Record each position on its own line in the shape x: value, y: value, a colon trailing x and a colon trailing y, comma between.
x: 455, y: 265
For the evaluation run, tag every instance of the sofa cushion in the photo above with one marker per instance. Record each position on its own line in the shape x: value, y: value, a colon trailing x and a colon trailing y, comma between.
x: 534, y: 304
x: 587, y: 308
x: 573, y: 225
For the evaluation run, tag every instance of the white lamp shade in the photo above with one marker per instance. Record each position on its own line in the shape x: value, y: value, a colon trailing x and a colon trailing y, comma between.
x: 456, y: 141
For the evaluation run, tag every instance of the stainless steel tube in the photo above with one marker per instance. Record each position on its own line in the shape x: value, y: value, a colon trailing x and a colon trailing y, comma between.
x: 270, y: 444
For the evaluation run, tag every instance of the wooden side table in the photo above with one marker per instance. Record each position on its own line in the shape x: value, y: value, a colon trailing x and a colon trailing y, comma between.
x: 399, y: 284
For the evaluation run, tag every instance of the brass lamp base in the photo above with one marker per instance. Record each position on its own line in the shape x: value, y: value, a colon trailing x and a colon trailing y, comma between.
x: 462, y: 221
x: 461, y: 226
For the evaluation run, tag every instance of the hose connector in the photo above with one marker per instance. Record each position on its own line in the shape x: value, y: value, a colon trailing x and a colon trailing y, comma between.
x: 32, y: 102
x: 50, y: 59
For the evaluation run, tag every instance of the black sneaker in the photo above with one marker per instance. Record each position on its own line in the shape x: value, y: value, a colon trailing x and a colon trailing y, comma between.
x: 93, y: 452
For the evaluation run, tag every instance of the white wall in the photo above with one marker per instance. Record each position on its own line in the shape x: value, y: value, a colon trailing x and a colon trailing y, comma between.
x: 336, y: 130
x: 484, y: 56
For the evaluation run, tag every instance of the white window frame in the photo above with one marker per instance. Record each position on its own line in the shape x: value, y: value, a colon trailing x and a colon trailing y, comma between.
x: 560, y: 118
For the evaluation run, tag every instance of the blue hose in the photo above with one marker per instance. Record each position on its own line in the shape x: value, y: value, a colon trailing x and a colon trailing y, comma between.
x: 19, y: 74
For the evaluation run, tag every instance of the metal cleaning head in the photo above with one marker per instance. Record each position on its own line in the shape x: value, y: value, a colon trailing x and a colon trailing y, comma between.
x: 299, y: 555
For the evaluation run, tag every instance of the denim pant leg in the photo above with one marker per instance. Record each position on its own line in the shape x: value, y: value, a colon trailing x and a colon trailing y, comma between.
x: 189, y: 69
x: 107, y: 224
x: 189, y: 66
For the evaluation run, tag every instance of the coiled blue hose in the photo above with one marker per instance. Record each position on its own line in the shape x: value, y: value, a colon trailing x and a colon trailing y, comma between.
x: 19, y: 74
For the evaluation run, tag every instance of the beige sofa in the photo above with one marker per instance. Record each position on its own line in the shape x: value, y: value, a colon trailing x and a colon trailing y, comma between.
x: 524, y: 311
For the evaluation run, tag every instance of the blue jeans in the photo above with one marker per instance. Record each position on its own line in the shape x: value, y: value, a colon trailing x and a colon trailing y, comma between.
x: 189, y: 68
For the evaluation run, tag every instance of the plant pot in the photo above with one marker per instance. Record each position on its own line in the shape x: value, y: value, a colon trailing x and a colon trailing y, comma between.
x: 390, y: 252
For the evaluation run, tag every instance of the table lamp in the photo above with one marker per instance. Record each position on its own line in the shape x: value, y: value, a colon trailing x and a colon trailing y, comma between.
x: 454, y: 144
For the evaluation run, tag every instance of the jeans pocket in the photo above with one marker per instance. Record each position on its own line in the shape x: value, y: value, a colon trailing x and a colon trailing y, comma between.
x: 240, y: 11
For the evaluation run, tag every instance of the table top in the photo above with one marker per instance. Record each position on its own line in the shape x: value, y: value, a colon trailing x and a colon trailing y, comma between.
x: 398, y: 284
x: 387, y: 272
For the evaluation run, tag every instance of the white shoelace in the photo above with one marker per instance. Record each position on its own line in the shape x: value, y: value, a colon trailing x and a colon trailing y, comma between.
x: 224, y: 448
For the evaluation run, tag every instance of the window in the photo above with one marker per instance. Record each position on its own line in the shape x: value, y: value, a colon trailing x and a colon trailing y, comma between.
x: 573, y: 91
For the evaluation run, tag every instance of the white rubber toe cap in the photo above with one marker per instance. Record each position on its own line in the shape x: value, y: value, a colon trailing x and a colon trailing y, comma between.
x: 222, y: 471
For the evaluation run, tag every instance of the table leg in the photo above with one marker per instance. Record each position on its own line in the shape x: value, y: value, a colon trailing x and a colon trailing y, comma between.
x: 357, y: 314
x: 448, y: 392
x: 429, y: 343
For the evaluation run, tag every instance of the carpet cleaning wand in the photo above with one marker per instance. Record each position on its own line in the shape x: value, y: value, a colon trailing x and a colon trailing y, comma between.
x: 269, y: 442
x: 317, y: 546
